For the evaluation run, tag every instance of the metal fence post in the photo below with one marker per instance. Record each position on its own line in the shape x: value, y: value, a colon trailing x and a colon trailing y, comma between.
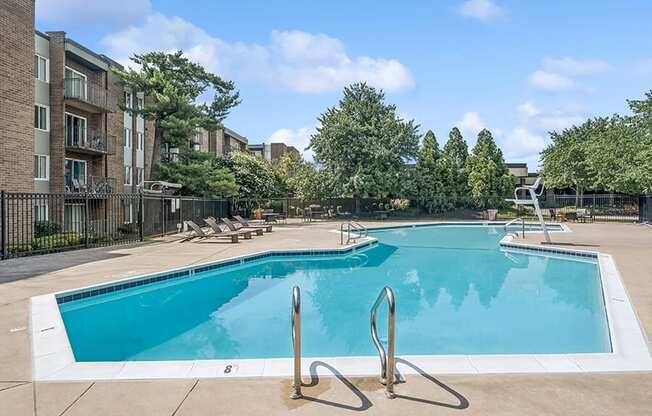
x: 141, y: 216
x: 86, y: 220
x: 3, y: 225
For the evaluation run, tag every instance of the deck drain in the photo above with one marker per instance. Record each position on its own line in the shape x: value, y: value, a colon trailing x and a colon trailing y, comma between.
x: 618, y: 299
x: 47, y: 329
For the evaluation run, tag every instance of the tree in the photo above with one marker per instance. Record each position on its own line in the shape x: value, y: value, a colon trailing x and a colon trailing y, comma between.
x: 430, y: 174
x: 454, y: 157
x: 489, y: 180
x: 200, y: 176
x: 254, y: 175
x: 364, y: 144
x: 172, y: 85
x: 301, y: 179
x: 565, y: 160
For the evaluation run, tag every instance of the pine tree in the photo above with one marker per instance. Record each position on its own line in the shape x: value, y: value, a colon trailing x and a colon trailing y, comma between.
x: 430, y: 175
x: 489, y: 181
x: 454, y: 158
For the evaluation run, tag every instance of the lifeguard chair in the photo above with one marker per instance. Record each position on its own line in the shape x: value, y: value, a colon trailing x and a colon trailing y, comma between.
x: 533, y: 200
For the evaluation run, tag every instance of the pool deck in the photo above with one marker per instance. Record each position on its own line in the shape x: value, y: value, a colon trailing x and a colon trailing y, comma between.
x: 608, y: 393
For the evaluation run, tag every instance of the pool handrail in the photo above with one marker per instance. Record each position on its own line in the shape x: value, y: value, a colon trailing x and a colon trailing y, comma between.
x: 386, y: 358
x: 356, y: 227
x: 295, y: 318
x: 515, y: 220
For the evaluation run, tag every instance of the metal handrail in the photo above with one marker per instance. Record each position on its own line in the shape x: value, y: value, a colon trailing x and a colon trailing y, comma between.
x: 356, y: 227
x: 386, y: 358
x: 295, y: 317
x: 515, y: 220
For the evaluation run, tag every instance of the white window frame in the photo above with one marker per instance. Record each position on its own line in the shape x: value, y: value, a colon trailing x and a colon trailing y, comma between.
x: 140, y: 176
x: 128, y: 104
x: 81, y: 75
x: 129, y: 174
x: 37, y: 205
x: 47, y: 67
x: 83, y: 141
x: 47, y: 117
x: 80, y: 161
x: 141, y: 103
x: 128, y: 139
x: 140, y: 141
x: 47, y: 168
x: 128, y: 209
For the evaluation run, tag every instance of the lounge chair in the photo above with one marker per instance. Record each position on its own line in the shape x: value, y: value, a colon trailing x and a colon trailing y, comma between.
x: 266, y: 227
x: 197, y: 232
x: 212, y: 222
x: 583, y: 215
x: 232, y: 227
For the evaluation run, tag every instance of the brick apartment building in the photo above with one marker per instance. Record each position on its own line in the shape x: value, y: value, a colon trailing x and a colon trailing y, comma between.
x: 74, y: 136
x: 218, y: 143
x: 272, y: 151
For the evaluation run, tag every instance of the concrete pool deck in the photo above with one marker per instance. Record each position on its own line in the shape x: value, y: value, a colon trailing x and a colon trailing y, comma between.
x: 609, y: 393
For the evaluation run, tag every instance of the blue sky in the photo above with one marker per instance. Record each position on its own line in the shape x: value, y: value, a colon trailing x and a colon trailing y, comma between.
x: 518, y: 68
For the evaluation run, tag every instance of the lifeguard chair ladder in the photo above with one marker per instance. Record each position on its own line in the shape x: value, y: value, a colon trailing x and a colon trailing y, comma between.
x: 534, y: 201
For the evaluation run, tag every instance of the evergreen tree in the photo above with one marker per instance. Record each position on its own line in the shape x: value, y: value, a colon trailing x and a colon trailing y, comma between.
x: 454, y: 158
x: 489, y: 181
x: 430, y: 175
x: 364, y: 144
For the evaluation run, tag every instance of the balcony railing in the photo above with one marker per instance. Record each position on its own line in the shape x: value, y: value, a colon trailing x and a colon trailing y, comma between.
x: 90, y: 141
x: 90, y: 184
x: 95, y: 97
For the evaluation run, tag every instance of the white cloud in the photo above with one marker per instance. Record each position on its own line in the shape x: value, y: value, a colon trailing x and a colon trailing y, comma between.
x: 550, y: 81
x: 471, y: 123
x: 484, y: 10
x: 299, y: 138
x: 522, y: 145
x: 573, y: 66
x: 528, y: 109
x: 299, y: 61
x: 118, y: 12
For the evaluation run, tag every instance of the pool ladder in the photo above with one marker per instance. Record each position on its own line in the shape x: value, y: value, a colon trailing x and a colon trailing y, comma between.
x: 358, y: 230
x: 514, y: 221
x: 386, y: 357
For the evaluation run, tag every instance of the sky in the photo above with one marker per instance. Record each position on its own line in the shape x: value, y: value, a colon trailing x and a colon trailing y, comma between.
x: 518, y: 68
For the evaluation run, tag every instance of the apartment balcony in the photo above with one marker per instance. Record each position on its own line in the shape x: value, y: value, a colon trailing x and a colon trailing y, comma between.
x: 88, y: 96
x: 89, y: 184
x: 90, y: 142
x: 167, y: 157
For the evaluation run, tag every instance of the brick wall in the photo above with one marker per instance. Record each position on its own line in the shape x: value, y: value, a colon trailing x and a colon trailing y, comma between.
x: 57, y: 109
x: 115, y: 127
x: 17, y: 95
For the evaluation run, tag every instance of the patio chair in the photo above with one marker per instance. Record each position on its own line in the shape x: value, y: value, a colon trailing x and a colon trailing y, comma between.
x: 197, y: 232
x: 583, y: 215
x: 212, y: 222
x: 233, y: 227
x: 265, y: 227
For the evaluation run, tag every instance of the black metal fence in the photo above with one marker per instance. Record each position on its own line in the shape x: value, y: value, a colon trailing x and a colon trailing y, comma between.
x: 40, y: 223
x: 33, y: 223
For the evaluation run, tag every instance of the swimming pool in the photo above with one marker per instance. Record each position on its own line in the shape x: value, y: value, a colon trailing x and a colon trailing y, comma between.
x: 457, y: 292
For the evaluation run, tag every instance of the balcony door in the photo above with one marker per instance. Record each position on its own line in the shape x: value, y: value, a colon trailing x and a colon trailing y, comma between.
x: 76, y: 175
x: 75, y: 130
x: 75, y: 84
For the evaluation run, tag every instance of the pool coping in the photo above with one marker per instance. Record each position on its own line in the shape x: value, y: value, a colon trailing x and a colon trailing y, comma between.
x: 53, y: 359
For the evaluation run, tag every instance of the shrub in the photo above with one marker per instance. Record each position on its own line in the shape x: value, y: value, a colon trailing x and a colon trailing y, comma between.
x: 46, y: 228
x: 57, y: 241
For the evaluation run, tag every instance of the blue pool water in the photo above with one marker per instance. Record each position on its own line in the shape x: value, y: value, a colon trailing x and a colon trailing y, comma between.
x: 456, y: 291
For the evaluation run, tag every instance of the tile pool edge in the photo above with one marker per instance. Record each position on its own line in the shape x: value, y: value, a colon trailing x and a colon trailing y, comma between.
x: 53, y: 360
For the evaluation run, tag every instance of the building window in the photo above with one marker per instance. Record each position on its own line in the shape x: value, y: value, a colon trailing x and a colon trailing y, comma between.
x: 41, y: 167
x: 41, y: 68
x: 73, y: 218
x: 42, y: 117
x: 76, y: 175
x: 128, y: 101
x: 128, y: 138
x: 75, y: 84
x: 140, y: 144
x: 128, y: 211
x: 75, y: 128
x: 140, y: 176
x: 40, y: 210
x: 141, y: 103
x: 128, y: 175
